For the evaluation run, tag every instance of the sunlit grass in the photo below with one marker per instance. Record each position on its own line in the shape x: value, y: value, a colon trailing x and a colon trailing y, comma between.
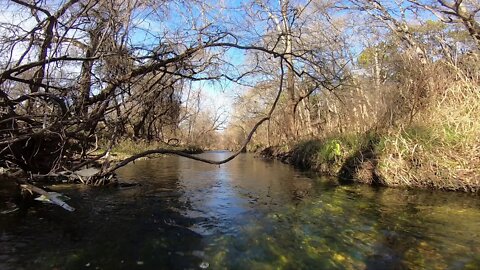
x: 439, y: 149
x: 328, y: 155
x: 443, y: 149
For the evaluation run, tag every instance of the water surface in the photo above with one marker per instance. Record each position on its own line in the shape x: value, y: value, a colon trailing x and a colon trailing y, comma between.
x: 247, y: 214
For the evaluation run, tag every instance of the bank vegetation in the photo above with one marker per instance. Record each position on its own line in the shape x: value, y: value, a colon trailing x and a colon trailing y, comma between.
x: 405, y: 113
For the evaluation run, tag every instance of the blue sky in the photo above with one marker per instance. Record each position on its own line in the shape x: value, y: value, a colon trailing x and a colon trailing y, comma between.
x: 222, y: 92
x: 150, y: 25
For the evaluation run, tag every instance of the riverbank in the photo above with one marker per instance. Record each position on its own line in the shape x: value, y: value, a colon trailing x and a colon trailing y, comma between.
x: 119, y: 152
x: 440, y: 149
x: 415, y: 157
x: 396, y: 160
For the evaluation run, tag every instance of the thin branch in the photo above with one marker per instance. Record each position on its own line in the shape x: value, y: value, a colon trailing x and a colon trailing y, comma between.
x: 209, y: 161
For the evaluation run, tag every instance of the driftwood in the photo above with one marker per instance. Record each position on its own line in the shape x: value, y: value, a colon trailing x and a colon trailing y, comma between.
x: 49, y: 196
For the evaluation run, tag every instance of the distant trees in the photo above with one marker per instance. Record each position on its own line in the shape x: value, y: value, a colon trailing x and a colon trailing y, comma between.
x: 202, y: 118
x: 79, y: 71
x: 315, y: 61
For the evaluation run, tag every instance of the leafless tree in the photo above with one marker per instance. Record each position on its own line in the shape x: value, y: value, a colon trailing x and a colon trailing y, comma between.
x: 464, y: 12
x: 73, y: 71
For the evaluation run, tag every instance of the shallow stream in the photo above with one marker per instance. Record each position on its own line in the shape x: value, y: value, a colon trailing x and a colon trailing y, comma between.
x: 247, y: 214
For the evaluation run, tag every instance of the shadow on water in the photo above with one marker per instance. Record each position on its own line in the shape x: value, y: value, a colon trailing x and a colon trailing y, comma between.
x: 247, y: 214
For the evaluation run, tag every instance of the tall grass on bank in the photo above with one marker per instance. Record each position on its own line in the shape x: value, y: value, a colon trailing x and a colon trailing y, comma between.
x: 442, y: 149
x: 439, y: 149
x: 328, y: 155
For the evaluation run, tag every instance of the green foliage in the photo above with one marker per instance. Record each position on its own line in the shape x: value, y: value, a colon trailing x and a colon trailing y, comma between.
x: 304, y: 154
x: 429, y: 138
x: 420, y: 134
x: 330, y: 150
x: 329, y: 154
x: 384, y: 50
x: 366, y: 57
x: 451, y: 136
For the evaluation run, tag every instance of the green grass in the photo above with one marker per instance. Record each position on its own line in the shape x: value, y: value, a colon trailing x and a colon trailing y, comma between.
x: 128, y: 148
x: 328, y: 155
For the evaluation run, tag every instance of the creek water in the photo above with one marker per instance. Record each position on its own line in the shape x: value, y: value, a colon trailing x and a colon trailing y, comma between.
x: 247, y: 214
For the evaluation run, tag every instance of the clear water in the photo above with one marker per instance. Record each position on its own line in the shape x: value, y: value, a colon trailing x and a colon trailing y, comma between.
x: 247, y: 214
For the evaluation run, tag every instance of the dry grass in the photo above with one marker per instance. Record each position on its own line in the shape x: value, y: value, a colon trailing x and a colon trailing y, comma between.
x: 424, y: 131
x: 442, y: 149
x: 437, y: 148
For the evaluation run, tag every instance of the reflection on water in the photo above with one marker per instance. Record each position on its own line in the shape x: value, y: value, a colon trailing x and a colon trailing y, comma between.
x: 247, y: 214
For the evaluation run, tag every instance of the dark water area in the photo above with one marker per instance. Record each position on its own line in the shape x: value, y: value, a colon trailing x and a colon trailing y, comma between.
x: 247, y: 214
